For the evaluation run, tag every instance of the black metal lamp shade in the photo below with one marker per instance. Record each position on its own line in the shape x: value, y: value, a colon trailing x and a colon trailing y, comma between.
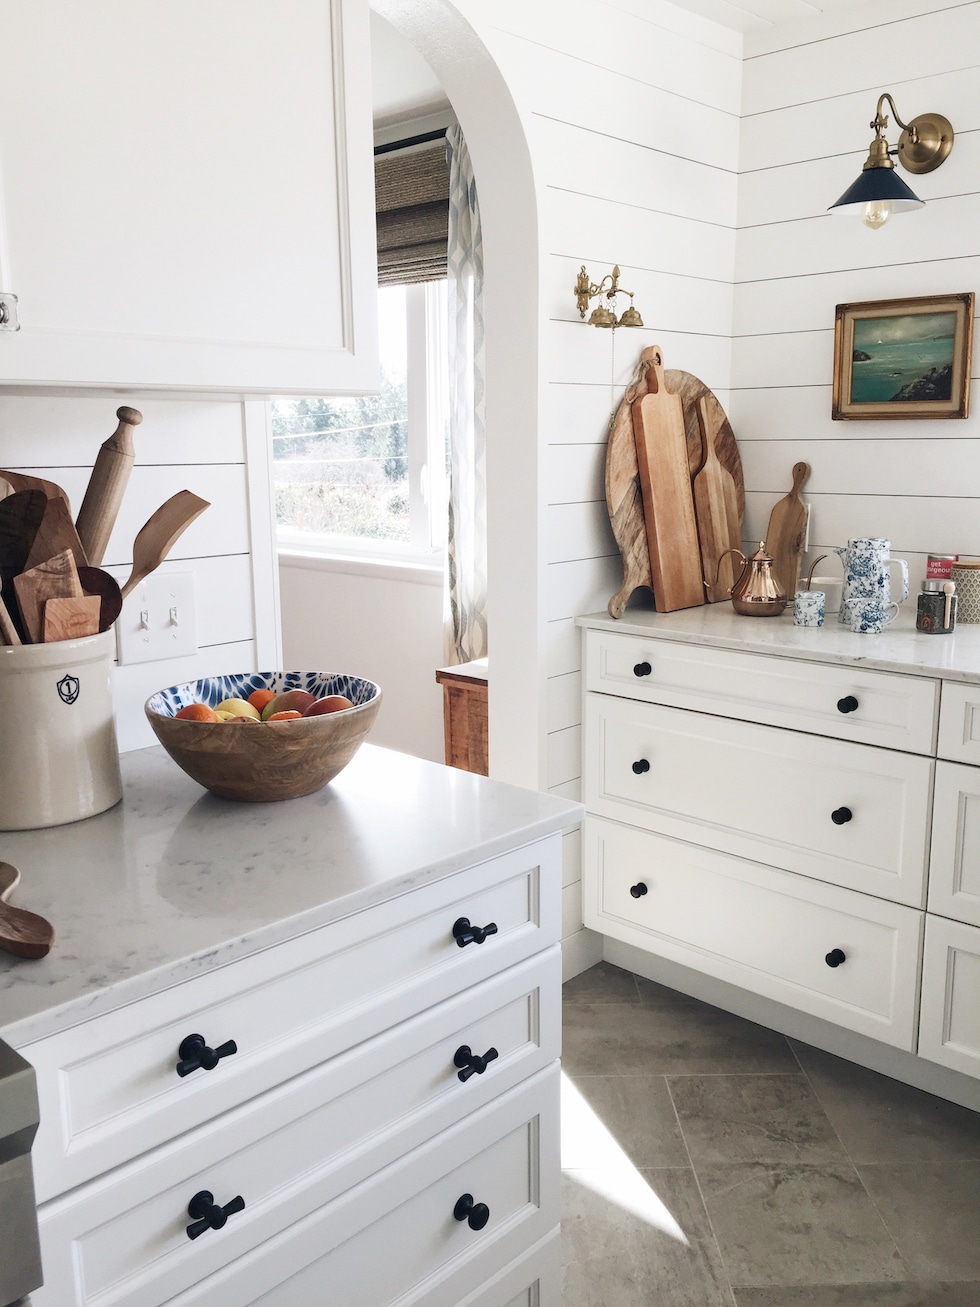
x: 876, y: 185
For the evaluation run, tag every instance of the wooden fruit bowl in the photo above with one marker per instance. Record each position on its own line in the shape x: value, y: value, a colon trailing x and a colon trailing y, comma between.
x: 267, y: 761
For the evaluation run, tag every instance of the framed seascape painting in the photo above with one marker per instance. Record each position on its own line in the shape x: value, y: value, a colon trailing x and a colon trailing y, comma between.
x: 903, y: 358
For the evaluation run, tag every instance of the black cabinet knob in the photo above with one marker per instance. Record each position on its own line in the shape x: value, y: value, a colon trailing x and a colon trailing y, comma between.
x: 474, y: 1214
x: 640, y: 766
x: 464, y: 933
x: 642, y: 669
x: 470, y: 1063
x: 195, y: 1055
x: 835, y: 957
x: 638, y: 890
x: 841, y: 815
x: 208, y: 1215
x: 847, y: 704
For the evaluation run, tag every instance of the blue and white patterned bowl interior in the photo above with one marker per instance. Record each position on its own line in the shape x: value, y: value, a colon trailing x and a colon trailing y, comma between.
x: 213, y: 690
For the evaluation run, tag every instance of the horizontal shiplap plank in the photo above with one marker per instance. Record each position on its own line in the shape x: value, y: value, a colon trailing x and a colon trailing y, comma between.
x: 223, y: 594
x: 804, y: 358
x: 923, y: 45
x: 57, y: 431
x: 571, y: 856
x: 575, y: 473
x: 685, y: 302
x: 869, y: 16
x: 771, y: 413
x: 688, y: 22
x: 562, y: 647
x: 930, y: 467
x: 564, y: 701
x: 911, y: 523
x: 572, y: 159
x: 578, y: 411
x: 803, y: 303
x: 575, y: 531
x: 550, y: 84
x: 571, y: 909
x: 598, y: 36
x: 564, y: 755
x: 583, y: 586
x: 221, y: 529
x: 831, y: 242
x: 574, y: 352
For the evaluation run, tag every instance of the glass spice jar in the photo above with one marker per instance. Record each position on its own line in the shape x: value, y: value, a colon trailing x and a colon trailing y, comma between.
x: 935, y: 612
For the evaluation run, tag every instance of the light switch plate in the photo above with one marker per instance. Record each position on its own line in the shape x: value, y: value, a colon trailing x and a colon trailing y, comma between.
x: 158, y: 619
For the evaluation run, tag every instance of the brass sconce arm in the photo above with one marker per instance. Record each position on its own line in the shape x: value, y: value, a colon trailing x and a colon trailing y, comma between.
x: 604, y: 315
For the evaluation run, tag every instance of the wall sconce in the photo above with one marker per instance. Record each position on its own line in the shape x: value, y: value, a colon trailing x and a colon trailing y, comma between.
x: 604, y: 315
x: 879, y: 192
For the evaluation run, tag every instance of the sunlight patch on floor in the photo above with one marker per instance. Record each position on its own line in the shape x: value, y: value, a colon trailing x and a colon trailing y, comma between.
x: 591, y: 1151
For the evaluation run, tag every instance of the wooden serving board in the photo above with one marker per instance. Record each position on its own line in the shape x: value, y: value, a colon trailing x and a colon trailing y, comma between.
x: 716, y: 509
x: 623, y: 493
x: 668, y: 502
x: 786, y: 535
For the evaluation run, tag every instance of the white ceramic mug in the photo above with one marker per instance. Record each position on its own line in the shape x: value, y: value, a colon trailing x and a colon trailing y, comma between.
x: 831, y: 587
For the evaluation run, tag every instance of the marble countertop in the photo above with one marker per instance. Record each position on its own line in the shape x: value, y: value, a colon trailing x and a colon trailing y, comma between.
x: 173, y: 881
x: 899, y: 648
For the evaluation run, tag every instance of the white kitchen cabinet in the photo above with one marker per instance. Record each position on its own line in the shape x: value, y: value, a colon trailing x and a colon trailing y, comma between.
x: 186, y: 195
x: 726, y: 832
x: 949, y: 1025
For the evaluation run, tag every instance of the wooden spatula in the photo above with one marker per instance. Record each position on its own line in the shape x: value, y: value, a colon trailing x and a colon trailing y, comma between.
x: 55, y: 534
x: 70, y: 619
x: 20, y: 481
x: 158, y: 534
x: 5, y: 488
x: 55, y: 579
x: 787, y: 533
x: 22, y: 933
x: 107, y: 485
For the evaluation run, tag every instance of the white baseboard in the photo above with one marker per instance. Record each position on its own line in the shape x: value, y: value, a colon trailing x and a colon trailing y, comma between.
x: 579, y: 952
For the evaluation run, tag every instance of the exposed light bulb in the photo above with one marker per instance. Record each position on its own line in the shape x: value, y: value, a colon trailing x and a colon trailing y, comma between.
x: 876, y: 213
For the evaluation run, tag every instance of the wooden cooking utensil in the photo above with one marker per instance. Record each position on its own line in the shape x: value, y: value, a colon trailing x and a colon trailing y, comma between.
x: 22, y: 933
x: 623, y: 496
x: 97, y: 582
x: 70, y: 619
x: 158, y: 534
x: 20, y: 481
x: 8, y: 631
x: 107, y: 485
x: 55, y: 579
x: 20, y: 517
x: 787, y: 534
x: 668, y: 503
x: 716, y: 509
x: 55, y: 534
x: 5, y: 488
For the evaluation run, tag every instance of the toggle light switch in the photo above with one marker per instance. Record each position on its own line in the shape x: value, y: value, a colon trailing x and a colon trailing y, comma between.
x: 159, y: 619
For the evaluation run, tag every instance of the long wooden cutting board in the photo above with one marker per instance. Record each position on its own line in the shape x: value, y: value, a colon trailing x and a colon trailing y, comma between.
x: 786, y: 535
x: 668, y: 502
x: 623, y: 495
x: 716, y: 509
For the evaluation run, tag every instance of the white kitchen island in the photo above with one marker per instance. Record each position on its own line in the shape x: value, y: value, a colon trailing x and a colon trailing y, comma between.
x: 377, y: 965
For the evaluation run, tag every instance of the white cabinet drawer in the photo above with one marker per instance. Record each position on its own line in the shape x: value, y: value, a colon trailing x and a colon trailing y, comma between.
x: 954, y: 867
x: 109, y: 1090
x: 121, y: 1240
x: 394, y: 1238
x: 849, y: 703
x: 949, y: 1022
x: 845, y: 813
x: 959, y: 722
x: 765, y: 930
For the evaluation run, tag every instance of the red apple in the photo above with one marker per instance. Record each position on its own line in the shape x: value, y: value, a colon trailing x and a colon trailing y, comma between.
x: 332, y: 703
x: 288, y: 701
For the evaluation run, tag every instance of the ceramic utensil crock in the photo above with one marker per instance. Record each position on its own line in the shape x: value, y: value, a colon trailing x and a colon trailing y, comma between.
x: 59, y: 760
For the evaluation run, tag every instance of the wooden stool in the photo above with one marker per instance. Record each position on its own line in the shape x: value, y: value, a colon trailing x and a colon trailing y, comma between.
x: 464, y: 712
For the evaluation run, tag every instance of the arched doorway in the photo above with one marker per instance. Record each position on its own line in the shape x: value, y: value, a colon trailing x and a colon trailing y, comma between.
x: 508, y: 208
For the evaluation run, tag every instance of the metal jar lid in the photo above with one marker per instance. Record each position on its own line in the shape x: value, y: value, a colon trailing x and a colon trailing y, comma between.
x: 930, y: 586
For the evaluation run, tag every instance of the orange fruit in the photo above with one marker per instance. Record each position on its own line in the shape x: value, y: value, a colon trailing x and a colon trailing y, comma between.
x: 259, y: 698
x: 197, y: 712
x: 288, y: 715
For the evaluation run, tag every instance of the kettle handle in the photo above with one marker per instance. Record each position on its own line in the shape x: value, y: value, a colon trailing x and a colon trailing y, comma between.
x: 721, y: 558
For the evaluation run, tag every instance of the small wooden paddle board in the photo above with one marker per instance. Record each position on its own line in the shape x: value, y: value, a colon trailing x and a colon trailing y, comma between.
x: 716, y: 509
x: 786, y: 536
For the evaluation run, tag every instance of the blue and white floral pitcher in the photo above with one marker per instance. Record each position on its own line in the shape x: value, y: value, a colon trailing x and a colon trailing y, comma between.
x: 867, y: 577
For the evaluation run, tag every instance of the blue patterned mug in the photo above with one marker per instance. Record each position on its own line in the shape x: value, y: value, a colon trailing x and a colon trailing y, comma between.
x: 866, y: 562
x: 808, y: 608
x: 871, y: 616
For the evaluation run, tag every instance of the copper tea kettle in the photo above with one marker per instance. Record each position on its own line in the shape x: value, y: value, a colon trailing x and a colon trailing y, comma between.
x: 756, y: 591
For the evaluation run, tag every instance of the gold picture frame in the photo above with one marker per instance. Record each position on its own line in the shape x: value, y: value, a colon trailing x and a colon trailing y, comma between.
x: 907, y: 358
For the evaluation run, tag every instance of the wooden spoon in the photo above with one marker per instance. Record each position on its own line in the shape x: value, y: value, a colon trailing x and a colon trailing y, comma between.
x: 97, y: 582
x: 22, y: 933
x: 56, y: 532
x: 158, y: 534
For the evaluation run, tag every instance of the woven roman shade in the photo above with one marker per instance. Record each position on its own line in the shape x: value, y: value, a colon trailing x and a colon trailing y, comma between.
x: 411, y: 196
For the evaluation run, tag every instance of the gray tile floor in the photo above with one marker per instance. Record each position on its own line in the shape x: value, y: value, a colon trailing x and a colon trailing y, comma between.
x: 709, y: 1162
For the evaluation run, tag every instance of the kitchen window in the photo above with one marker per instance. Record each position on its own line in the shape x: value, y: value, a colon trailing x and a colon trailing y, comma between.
x: 366, y: 476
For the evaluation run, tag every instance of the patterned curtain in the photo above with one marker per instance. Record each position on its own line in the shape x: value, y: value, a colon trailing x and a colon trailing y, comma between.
x: 466, y: 633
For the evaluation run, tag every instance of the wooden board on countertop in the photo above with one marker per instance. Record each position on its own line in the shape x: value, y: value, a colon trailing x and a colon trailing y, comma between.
x: 786, y: 535
x: 623, y: 494
x: 716, y: 509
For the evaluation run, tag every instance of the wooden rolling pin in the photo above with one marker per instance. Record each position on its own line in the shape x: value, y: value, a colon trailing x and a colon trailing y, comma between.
x: 106, y: 486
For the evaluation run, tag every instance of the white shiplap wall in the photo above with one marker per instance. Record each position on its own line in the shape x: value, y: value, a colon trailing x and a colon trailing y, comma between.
x: 632, y: 116
x: 809, y: 92
x: 181, y: 444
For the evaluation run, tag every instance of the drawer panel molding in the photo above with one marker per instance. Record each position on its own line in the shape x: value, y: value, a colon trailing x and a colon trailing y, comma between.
x: 959, y: 723
x: 954, y: 868
x: 949, y: 1024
